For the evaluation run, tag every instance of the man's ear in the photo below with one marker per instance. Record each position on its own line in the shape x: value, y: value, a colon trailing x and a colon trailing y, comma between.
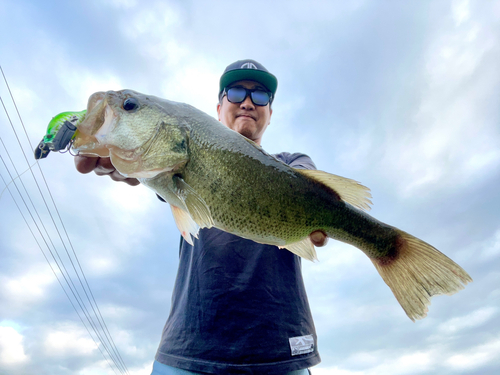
x: 219, y: 105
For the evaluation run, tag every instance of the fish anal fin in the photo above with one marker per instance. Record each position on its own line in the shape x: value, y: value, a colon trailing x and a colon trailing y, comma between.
x: 304, y: 249
x: 185, y: 224
x: 417, y: 272
x: 350, y: 191
x: 196, y: 206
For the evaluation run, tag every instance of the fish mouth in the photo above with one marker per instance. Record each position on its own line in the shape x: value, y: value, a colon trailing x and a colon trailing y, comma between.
x: 110, y: 121
x: 95, y: 136
x: 90, y: 135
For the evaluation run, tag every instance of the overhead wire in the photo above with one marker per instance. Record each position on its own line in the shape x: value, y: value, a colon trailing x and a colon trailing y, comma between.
x: 48, y: 261
x: 46, y: 239
x: 112, y: 351
x: 100, y: 319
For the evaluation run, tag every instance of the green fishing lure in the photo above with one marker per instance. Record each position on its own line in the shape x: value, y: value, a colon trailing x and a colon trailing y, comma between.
x: 60, y: 132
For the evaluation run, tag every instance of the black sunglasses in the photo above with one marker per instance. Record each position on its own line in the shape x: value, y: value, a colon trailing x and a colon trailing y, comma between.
x: 239, y: 94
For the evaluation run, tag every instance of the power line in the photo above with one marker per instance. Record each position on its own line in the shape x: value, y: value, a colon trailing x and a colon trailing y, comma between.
x: 53, y: 252
x: 52, y: 268
x: 112, y: 351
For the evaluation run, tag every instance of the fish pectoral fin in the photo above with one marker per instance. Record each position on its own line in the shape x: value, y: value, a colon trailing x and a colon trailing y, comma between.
x: 185, y: 224
x: 350, y: 191
x: 303, y: 248
x: 196, y: 206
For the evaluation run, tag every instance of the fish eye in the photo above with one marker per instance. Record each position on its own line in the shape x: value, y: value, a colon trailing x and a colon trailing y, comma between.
x: 130, y: 104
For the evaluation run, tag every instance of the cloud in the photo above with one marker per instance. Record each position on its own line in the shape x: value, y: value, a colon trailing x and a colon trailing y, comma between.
x: 457, y: 83
x: 123, y: 4
x: 472, y: 320
x: 11, y: 347
x: 435, y: 359
x: 29, y: 287
x: 103, y: 265
x: 68, y: 340
x: 491, y: 247
x: 401, y: 96
x: 476, y: 357
x: 461, y: 11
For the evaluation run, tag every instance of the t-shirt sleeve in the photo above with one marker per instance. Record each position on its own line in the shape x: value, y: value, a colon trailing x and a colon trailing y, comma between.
x: 296, y: 160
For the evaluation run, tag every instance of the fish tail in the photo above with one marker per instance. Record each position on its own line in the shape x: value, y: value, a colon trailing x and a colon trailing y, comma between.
x: 416, y: 272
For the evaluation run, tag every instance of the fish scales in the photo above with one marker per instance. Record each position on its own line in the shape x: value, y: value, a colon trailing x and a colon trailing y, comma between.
x: 213, y: 176
x: 256, y: 197
x: 270, y: 200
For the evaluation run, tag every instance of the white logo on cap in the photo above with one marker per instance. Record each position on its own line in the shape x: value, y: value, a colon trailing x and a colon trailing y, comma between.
x: 248, y: 65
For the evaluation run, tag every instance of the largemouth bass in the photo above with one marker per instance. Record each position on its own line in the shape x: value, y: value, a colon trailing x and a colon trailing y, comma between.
x: 215, y: 177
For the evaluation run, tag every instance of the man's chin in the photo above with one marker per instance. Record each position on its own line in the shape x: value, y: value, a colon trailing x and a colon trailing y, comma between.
x: 246, y: 130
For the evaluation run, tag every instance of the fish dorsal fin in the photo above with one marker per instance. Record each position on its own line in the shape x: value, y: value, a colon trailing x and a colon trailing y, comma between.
x: 185, y: 224
x: 350, y: 191
x: 304, y: 249
x: 196, y: 206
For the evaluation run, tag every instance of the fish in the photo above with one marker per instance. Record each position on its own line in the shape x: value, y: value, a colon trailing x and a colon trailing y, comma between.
x: 213, y: 176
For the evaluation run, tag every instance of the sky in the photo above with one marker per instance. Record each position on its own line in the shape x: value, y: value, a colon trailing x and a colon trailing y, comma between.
x: 401, y: 96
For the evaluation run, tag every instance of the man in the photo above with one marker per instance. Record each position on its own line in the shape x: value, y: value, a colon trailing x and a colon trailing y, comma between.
x: 238, y: 307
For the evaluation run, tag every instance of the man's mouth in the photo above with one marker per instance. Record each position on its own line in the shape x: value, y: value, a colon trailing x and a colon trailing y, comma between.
x: 245, y: 115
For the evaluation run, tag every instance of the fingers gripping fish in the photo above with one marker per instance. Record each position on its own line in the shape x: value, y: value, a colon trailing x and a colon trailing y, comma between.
x: 215, y: 177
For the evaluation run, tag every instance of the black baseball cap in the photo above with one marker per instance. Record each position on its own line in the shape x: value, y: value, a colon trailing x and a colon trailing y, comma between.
x: 248, y: 69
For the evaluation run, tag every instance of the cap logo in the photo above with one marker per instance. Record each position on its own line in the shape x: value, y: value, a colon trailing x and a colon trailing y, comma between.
x: 248, y: 65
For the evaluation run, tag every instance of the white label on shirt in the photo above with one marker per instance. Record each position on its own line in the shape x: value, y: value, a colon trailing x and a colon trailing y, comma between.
x: 301, y: 345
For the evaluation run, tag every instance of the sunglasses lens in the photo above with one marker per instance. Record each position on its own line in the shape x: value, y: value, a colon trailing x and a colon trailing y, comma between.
x: 239, y: 94
x: 260, y: 97
x: 236, y: 94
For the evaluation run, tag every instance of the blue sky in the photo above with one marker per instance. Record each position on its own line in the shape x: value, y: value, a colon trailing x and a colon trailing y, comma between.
x: 402, y: 96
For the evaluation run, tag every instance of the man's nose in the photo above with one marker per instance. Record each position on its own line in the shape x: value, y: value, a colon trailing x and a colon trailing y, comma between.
x: 247, y: 103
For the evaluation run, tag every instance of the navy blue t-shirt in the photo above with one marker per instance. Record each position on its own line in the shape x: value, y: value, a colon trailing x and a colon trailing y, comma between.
x: 239, y: 307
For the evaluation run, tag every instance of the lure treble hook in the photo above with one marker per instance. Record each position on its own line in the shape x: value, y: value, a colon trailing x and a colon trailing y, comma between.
x: 60, y: 133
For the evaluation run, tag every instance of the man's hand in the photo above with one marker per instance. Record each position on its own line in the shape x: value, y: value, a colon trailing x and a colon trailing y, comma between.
x: 101, y: 167
x: 318, y: 238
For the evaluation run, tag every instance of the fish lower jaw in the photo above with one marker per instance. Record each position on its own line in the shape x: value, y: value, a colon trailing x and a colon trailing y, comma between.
x: 86, y: 144
x: 133, y: 167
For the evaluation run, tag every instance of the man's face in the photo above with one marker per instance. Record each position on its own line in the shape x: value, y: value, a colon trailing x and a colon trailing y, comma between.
x: 246, y: 118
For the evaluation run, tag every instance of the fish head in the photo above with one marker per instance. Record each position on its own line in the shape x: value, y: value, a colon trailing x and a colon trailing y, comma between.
x: 140, y: 133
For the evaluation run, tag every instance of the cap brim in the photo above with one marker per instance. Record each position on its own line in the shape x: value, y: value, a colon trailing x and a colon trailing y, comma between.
x: 267, y: 79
